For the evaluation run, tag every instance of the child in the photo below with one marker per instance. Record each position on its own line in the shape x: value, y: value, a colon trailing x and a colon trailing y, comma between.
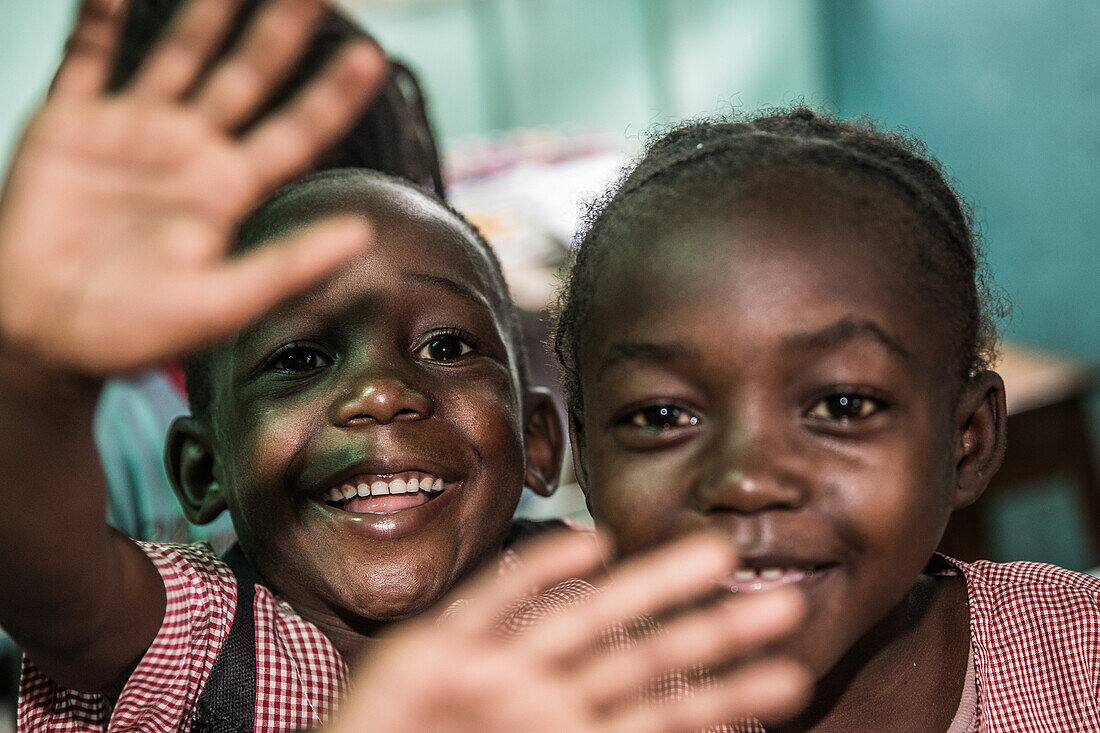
x: 369, y: 436
x: 777, y: 328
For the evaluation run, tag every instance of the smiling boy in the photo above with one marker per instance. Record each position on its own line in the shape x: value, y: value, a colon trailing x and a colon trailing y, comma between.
x: 396, y: 385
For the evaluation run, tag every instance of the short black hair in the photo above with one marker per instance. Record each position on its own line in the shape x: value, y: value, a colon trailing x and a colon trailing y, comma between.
x: 700, y: 165
x: 269, y: 220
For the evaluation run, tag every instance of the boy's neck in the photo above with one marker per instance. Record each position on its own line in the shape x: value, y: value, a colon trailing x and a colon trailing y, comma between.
x: 353, y: 636
x: 905, y: 674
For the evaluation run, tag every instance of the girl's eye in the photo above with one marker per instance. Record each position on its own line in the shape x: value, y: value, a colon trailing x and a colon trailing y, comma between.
x: 844, y: 407
x: 298, y: 359
x: 444, y: 347
x: 661, y: 417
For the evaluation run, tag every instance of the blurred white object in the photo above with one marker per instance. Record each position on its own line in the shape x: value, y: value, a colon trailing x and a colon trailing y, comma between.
x: 526, y: 191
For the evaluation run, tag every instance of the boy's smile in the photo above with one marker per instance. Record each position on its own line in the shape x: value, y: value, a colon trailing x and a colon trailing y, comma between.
x: 369, y: 436
x: 779, y: 379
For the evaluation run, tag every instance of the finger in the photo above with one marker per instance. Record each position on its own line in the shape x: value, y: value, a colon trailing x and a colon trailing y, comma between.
x: 772, y: 689
x: 708, y: 636
x: 287, y: 141
x: 545, y: 562
x: 90, y: 49
x: 247, y: 286
x: 262, y: 60
x: 677, y: 573
x: 176, y: 62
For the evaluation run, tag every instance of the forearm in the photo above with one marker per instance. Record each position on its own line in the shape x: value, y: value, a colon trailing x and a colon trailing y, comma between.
x: 65, y: 575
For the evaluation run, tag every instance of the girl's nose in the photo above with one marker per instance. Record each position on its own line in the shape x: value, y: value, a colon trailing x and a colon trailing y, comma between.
x: 379, y: 398
x: 747, y: 476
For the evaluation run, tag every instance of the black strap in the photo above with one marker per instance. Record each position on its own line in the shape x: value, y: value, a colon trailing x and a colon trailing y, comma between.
x: 227, y: 703
x: 524, y: 529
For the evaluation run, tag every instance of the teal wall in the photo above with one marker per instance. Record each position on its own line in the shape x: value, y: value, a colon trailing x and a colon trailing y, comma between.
x: 31, y: 37
x: 620, y: 65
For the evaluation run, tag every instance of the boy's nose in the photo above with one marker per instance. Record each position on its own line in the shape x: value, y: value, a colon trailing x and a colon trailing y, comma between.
x: 747, y: 476
x: 381, y: 398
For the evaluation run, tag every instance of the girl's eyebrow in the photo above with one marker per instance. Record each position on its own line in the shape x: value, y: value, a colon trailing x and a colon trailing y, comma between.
x: 646, y: 351
x: 844, y: 330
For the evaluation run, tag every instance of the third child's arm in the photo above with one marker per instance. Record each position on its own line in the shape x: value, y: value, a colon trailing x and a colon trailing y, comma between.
x: 114, y: 223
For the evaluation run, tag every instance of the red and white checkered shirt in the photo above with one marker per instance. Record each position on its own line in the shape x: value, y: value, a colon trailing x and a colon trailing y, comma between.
x: 299, y: 674
x: 1035, y: 635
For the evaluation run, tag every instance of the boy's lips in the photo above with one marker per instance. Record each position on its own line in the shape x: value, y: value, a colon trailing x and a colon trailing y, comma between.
x: 385, y: 500
x: 389, y: 517
x: 385, y: 493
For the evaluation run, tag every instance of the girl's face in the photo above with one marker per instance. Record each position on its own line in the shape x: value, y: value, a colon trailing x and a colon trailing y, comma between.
x: 779, y: 379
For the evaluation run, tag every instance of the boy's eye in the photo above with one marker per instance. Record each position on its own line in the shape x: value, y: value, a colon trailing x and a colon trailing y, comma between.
x: 444, y: 347
x: 661, y: 417
x: 844, y: 407
x: 297, y: 358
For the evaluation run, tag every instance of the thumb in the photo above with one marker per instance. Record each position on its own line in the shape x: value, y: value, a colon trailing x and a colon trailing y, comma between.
x: 244, y: 288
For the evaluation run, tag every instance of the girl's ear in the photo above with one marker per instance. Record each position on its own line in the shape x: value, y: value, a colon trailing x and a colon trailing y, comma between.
x: 189, y: 460
x: 543, y: 435
x: 980, y: 432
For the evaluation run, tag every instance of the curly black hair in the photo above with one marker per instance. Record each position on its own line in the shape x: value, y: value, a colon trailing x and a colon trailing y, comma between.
x: 701, y: 167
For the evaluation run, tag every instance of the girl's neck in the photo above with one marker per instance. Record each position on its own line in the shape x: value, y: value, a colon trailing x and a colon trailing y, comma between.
x: 906, y: 673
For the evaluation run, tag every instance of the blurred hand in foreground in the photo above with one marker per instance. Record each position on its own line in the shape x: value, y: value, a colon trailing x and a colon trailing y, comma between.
x: 458, y: 674
x: 119, y: 207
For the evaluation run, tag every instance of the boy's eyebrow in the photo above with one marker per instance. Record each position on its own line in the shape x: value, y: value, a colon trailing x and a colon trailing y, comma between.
x: 460, y: 289
x: 844, y: 330
x: 647, y: 351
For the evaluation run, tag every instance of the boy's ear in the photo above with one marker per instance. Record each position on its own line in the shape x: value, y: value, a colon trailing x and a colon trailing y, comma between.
x: 543, y: 435
x: 189, y: 460
x: 981, y: 420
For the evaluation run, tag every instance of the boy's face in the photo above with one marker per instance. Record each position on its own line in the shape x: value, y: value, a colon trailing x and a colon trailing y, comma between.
x: 396, y: 370
x: 778, y: 380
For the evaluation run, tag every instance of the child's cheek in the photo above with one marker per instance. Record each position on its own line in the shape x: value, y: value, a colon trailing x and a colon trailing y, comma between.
x: 638, y: 497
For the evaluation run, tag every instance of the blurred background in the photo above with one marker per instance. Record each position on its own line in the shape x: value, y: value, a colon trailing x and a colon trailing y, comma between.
x: 538, y: 103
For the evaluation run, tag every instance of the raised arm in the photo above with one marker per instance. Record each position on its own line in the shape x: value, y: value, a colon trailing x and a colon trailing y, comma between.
x: 115, y: 220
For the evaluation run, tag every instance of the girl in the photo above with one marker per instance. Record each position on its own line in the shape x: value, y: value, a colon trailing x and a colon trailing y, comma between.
x: 778, y: 329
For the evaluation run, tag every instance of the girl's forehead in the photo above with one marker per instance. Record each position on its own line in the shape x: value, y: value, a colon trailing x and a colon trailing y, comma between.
x: 765, y: 274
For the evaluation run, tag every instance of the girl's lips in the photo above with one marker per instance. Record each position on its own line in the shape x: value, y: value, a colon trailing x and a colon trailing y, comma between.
x: 764, y: 577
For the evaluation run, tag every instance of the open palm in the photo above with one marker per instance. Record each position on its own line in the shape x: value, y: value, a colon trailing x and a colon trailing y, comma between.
x: 119, y: 207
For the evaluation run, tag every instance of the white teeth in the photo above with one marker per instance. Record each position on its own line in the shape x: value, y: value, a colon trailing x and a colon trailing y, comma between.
x: 771, y: 573
x: 380, y: 487
x: 744, y: 574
